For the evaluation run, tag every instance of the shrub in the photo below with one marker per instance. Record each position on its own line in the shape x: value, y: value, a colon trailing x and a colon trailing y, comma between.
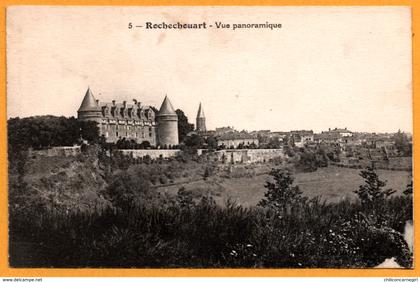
x: 281, y: 194
x: 372, y: 194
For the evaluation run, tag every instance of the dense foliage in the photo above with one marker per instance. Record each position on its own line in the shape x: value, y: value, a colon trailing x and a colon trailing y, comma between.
x: 139, y: 227
x: 183, y: 233
x: 184, y: 127
x: 47, y: 131
x: 402, y: 143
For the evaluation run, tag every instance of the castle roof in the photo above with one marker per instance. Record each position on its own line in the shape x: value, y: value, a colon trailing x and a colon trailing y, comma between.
x: 126, y: 110
x: 302, y: 132
x: 200, y: 113
x: 89, y: 103
x: 166, y: 108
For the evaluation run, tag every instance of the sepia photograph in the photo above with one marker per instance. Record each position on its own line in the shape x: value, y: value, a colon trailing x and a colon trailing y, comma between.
x: 210, y: 137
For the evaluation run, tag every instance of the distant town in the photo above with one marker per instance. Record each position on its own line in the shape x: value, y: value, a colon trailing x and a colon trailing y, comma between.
x: 134, y: 126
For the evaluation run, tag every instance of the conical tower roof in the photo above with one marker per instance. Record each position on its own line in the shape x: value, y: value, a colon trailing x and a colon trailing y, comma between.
x: 166, y: 108
x: 200, y: 113
x: 88, y: 103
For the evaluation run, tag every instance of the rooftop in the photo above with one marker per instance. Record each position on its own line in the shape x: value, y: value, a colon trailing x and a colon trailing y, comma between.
x: 166, y: 108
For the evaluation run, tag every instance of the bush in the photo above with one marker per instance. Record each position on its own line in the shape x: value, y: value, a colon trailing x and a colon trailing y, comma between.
x: 181, y: 232
x: 371, y: 194
x: 281, y: 195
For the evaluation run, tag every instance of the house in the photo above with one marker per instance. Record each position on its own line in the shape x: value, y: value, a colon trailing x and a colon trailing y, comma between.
x: 237, y: 139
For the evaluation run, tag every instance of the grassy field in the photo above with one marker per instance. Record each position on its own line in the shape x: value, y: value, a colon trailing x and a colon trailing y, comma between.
x: 331, y: 183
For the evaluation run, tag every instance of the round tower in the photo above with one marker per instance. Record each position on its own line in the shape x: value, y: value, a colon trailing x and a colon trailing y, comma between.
x: 167, y: 120
x: 201, y: 120
x: 89, y: 109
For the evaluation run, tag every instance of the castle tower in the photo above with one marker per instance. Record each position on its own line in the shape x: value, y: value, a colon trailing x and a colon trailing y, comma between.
x: 89, y: 109
x: 201, y: 120
x: 167, y: 124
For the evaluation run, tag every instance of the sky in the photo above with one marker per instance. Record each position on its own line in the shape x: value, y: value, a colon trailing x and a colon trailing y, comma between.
x: 326, y: 67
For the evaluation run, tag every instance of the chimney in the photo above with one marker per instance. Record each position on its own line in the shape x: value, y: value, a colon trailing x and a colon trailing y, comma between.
x: 113, y: 102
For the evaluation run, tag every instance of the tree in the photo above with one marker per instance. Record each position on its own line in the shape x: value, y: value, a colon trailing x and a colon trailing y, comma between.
x: 194, y: 141
x: 89, y: 131
x: 321, y: 157
x: 371, y: 193
x: 307, y: 161
x: 274, y: 143
x: 211, y: 142
x: 123, y: 143
x: 184, y: 127
x: 127, y: 189
x: 46, y: 131
x: 281, y: 194
x: 253, y: 146
x: 402, y: 144
x: 145, y: 144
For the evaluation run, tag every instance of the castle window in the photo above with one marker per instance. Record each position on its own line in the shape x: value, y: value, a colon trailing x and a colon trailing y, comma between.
x: 116, y: 134
x: 150, y: 134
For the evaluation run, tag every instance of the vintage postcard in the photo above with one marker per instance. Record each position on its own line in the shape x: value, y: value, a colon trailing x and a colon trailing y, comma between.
x: 210, y: 137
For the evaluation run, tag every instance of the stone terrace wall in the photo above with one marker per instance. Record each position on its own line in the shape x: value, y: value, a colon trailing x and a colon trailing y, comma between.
x: 154, y: 154
x: 249, y: 155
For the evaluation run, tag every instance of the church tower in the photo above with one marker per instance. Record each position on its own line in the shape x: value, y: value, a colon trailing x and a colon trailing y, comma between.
x: 167, y: 124
x: 201, y: 120
x: 89, y: 109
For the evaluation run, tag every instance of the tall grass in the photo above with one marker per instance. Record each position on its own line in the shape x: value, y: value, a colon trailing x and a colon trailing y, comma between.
x: 166, y: 233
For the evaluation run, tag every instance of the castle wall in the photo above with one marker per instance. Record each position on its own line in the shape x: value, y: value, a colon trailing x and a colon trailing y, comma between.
x: 235, y: 142
x: 248, y: 155
x: 153, y: 154
x: 113, y: 132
